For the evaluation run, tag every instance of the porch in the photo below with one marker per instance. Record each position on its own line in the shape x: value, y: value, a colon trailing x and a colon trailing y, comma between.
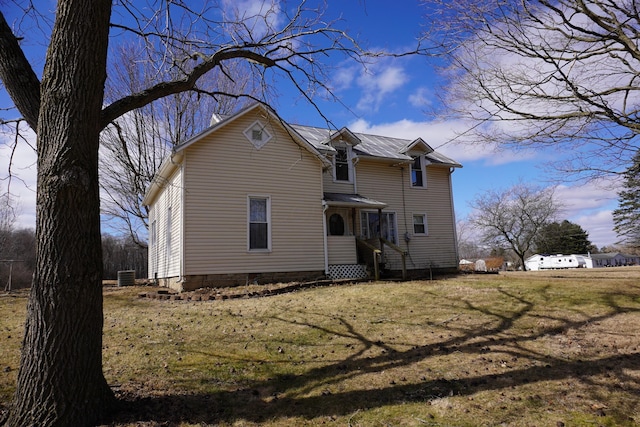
x: 358, y: 255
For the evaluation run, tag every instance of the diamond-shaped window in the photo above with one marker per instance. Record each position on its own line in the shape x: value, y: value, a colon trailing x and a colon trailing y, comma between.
x: 257, y: 134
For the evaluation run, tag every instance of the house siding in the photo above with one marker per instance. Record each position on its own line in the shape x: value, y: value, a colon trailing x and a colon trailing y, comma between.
x: 165, y: 250
x: 390, y: 184
x: 215, y: 222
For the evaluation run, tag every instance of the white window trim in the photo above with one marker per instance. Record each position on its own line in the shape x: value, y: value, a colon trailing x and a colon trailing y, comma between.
x: 268, y: 199
x: 349, y: 164
x: 248, y: 133
x: 395, y: 223
x: 423, y: 165
x: 413, y: 224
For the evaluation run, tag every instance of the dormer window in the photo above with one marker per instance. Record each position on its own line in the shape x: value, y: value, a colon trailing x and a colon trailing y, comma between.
x: 342, y: 164
x: 257, y: 134
x: 418, y: 173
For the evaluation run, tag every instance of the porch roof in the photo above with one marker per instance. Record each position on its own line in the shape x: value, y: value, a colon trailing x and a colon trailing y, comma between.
x: 352, y: 201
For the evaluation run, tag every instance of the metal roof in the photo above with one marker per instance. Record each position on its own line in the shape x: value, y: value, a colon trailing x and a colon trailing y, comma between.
x: 352, y: 200
x: 384, y: 147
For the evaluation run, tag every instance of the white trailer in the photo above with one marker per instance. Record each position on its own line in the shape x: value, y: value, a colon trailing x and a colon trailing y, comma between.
x: 552, y: 262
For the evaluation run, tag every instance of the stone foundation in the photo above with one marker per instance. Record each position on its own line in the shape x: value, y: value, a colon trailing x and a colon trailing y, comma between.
x: 190, y: 283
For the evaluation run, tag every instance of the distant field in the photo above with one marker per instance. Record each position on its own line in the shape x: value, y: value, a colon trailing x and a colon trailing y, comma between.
x: 547, y: 348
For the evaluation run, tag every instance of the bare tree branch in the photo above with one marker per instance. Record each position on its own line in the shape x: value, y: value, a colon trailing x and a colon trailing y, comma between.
x: 19, y: 79
x: 545, y: 73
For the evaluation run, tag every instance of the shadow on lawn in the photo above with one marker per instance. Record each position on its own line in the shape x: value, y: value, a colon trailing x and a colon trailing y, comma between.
x: 249, y: 403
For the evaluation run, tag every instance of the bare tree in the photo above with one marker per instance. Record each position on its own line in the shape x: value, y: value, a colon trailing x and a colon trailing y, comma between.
x: 560, y: 73
x: 7, y: 220
x: 134, y: 145
x: 60, y: 380
x: 512, y: 218
x: 469, y: 246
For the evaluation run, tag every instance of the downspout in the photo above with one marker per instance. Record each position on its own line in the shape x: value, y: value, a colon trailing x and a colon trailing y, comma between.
x: 355, y: 161
x: 324, y: 237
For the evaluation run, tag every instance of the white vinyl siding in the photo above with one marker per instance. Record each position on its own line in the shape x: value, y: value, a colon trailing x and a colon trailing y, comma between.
x: 216, y: 199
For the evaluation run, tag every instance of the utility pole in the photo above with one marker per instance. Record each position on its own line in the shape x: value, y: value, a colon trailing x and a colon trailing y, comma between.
x: 7, y: 287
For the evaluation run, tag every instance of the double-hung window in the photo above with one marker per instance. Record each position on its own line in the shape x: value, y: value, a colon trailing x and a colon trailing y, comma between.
x: 373, y: 225
x: 342, y: 165
x: 420, y: 224
x: 418, y: 173
x: 259, y: 223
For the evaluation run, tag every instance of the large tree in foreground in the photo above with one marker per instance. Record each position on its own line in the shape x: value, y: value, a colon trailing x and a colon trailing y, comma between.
x: 627, y: 217
x: 60, y: 380
x: 560, y: 73
x: 513, y: 218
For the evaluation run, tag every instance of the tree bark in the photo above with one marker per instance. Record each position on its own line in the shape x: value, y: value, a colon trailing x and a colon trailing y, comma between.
x: 60, y: 382
x: 18, y: 77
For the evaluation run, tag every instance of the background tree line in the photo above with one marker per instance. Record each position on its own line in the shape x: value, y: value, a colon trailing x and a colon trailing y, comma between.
x: 522, y: 220
x: 119, y: 253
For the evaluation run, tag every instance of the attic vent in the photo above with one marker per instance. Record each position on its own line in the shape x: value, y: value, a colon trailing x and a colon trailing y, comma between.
x: 257, y: 134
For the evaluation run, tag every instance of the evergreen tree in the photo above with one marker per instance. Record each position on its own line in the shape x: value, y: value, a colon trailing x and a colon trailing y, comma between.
x: 563, y: 238
x: 627, y: 217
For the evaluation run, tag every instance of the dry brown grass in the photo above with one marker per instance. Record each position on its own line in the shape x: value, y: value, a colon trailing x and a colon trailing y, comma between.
x: 515, y: 349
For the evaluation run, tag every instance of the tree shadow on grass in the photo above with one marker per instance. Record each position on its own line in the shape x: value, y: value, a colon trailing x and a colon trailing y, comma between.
x: 293, y: 396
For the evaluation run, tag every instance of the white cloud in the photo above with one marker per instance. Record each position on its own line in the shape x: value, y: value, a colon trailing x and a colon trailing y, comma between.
x: 344, y: 77
x: 254, y: 17
x: 599, y: 225
x: 21, y: 164
x: 377, y: 83
x: 590, y: 205
x: 421, y: 97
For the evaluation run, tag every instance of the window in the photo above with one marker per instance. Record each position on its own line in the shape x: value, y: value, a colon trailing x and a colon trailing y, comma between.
x: 259, y: 221
x: 418, y: 173
x: 154, y: 236
x: 372, y: 226
x: 257, y: 134
x: 342, y: 165
x: 419, y: 224
x: 336, y: 225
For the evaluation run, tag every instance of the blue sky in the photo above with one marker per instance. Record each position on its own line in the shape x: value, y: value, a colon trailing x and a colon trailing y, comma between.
x: 393, y: 97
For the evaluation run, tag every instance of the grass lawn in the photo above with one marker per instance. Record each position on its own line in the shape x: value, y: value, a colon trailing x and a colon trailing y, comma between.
x: 516, y: 349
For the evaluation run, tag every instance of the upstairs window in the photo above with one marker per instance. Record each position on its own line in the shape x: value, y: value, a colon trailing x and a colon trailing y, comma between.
x: 418, y: 173
x: 342, y: 165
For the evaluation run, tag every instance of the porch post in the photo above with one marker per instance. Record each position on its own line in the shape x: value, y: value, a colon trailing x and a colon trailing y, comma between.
x: 380, y: 236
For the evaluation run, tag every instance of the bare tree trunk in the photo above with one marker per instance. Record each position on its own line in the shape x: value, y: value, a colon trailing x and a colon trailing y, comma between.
x: 60, y: 381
